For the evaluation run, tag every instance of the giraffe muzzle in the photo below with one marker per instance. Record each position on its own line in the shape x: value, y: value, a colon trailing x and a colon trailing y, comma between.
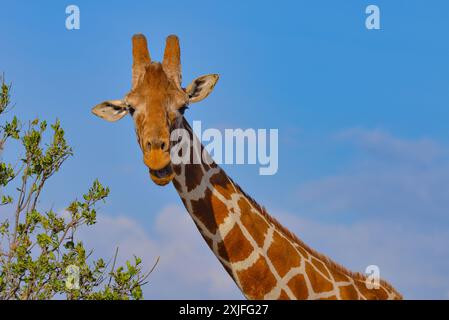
x: 162, y: 176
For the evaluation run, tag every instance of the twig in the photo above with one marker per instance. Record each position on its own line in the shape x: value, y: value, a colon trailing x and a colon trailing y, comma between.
x: 113, y: 266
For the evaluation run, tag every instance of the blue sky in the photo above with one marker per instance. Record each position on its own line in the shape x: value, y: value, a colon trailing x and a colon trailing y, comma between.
x: 362, y: 118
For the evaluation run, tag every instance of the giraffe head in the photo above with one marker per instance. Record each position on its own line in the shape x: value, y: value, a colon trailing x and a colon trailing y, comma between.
x: 156, y: 102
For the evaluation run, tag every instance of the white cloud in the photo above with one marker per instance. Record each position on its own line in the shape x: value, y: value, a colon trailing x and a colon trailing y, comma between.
x: 387, y: 147
x: 392, y: 178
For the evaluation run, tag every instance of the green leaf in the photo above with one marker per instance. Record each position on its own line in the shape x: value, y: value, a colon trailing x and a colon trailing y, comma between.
x: 43, y: 244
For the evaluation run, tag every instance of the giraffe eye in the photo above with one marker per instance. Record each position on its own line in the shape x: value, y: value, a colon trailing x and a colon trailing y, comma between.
x: 131, y: 110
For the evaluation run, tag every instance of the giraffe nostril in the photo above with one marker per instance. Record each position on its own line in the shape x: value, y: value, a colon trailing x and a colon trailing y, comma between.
x: 157, y: 145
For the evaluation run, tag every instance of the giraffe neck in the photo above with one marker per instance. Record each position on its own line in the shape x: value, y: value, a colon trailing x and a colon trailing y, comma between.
x: 263, y: 258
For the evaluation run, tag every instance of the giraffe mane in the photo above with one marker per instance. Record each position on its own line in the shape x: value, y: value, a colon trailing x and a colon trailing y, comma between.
x: 357, y: 276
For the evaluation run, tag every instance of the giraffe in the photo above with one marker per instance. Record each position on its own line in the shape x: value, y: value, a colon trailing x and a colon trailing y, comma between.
x: 265, y: 260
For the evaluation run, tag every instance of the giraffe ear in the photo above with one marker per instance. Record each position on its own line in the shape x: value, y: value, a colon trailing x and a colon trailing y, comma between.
x: 111, y: 110
x: 201, y: 87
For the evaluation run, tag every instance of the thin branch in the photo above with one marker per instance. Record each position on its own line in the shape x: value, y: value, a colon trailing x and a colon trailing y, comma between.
x: 152, y: 269
x: 113, y: 266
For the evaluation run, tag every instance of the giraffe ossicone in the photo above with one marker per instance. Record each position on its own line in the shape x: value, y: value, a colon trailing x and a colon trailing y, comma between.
x: 265, y: 260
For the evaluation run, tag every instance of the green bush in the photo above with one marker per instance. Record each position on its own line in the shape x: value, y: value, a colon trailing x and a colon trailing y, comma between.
x: 40, y: 256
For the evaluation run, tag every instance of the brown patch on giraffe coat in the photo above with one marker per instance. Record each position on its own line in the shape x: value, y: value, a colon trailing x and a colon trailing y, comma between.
x: 193, y: 176
x: 257, y: 280
x: 221, y: 250
x: 339, y: 276
x: 222, y: 184
x: 320, y: 266
x: 348, y: 293
x: 319, y: 283
x: 371, y: 294
x: 253, y: 222
x: 210, y: 210
x: 236, y: 246
x: 382, y: 293
x: 177, y: 169
x: 302, y: 251
x: 219, y: 209
x: 330, y: 298
x: 283, y: 296
x: 298, y: 286
x: 282, y: 255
